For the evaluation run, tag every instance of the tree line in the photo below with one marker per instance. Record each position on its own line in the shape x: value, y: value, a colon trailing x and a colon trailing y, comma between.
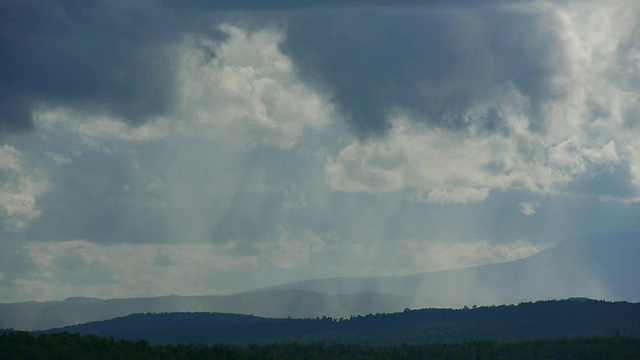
x: 24, y: 345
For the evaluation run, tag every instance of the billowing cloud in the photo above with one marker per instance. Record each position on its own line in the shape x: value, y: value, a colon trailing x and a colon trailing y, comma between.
x: 438, y: 164
x: 249, y: 93
x: 19, y: 190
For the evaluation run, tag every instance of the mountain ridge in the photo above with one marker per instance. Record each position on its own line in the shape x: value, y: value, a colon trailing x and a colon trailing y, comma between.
x: 536, y: 320
x: 577, y: 268
x: 270, y: 303
x: 571, y: 269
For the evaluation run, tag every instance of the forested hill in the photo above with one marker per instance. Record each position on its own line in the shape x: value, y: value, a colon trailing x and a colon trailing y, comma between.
x: 267, y: 303
x: 22, y: 345
x: 545, y: 319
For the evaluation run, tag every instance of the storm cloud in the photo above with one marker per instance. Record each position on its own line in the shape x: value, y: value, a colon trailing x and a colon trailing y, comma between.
x: 119, y: 58
x: 111, y: 57
x: 242, y: 144
x: 434, y: 64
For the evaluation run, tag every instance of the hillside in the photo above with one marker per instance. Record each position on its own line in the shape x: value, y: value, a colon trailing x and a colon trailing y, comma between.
x: 267, y: 303
x: 599, y: 268
x: 546, y: 319
x: 22, y: 345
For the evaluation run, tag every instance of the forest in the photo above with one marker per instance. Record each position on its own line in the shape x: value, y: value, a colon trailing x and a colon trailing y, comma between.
x: 525, y: 321
x: 23, y: 345
x: 564, y: 329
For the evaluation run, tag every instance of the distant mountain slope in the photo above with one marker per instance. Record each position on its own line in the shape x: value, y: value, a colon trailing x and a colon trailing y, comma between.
x: 268, y: 303
x: 601, y: 268
x: 548, y: 319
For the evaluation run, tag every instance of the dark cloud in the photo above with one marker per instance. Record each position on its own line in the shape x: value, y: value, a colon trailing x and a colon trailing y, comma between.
x: 102, y: 56
x: 434, y: 64
x: 527, y: 53
x: 258, y: 5
x: 431, y: 59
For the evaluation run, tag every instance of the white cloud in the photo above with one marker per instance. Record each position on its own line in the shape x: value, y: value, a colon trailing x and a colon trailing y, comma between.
x: 19, y: 190
x: 441, y: 255
x: 451, y: 167
x: 57, y: 158
x: 457, y: 195
x: 10, y: 158
x: 87, y: 129
x: 448, y: 166
x: 528, y: 208
x: 249, y: 93
x: 79, y: 267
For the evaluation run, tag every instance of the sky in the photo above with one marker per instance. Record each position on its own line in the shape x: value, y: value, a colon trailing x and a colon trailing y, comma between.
x: 156, y: 147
